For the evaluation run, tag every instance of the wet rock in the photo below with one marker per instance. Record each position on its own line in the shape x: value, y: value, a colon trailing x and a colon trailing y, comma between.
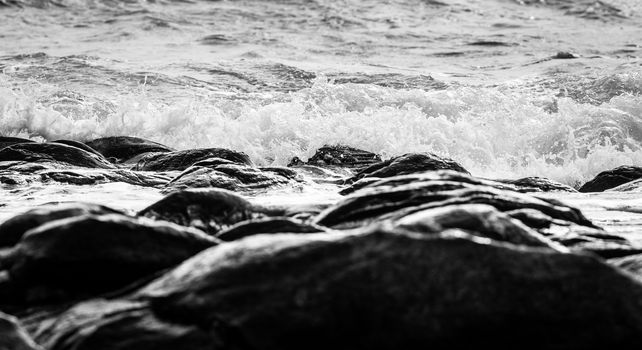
x: 391, y: 202
x: 234, y: 177
x: 53, y: 153
x: 612, y: 178
x: 12, y: 230
x: 538, y: 184
x: 266, y: 226
x: 564, y: 55
x: 210, y: 210
x: 122, y: 148
x: 117, y: 325
x: 477, y: 219
x: 13, y: 337
x: 409, y: 164
x: 439, y: 175
x: 631, y: 264
x: 8, y: 141
x: 181, y: 160
x: 92, y: 177
x: 85, y: 255
x: 398, y: 290
x: 80, y: 145
x: 339, y: 156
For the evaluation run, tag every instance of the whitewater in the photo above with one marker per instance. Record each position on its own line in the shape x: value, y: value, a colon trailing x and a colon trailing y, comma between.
x: 507, y: 88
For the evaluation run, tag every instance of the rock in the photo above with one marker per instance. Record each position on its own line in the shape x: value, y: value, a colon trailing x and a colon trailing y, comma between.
x: 339, y: 156
x: 612, y: 178
x: 383, y: 289
x: 409, y: 164
x: 210, y: 210
x: 538, y: 184
x: 181, y: 160
x: 13, y: 337
x: 564, y: 55
x: 92, y: 177
x: 117, y: 325
x: 391, y: 202
x: 634, y: 186
x: 8, y: 141
x: 12, y: 230
x: 477, y: 219
x: 80, y: 145
x: 266, y: 226
x: 439, y: 175
x: 234, y: 177
x: 90, y: 254
x: 123, y: 148
x: 53, y: 153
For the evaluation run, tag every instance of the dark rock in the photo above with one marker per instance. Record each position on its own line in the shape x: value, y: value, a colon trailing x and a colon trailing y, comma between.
x: 55, y: 153
x: 633, y: 186
x: 90, y: 254
x: 612, y: 178
x: 383, y: 289
x: 12, y: 230
x: 409, y: 164
x: 13, y: 337
x: 339, y: 156
x: 538, y: 184
x: 181, y: 160
x: 8, y: 141
x: 210, y: 210
x: 123, y: 148
x: 631, y: 263
x: 266, y: 226
x: 80, y: 145
x: 117, y: 325
x: 439, y: 175
x: 390, y: 202
x: 234, y: 177
x: 477, y: 219
x: 564, y: 55
x: 91, y: 177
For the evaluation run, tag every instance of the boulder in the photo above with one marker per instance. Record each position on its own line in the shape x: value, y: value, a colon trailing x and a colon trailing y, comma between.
x: 94, y: 176
x: 210, y: 210
x: 538, y: 184
x: 181, y: 160
x: 13, y: 336
x: 122, y: 148
x: 80, y: 145
x: 91, y: 254
x: 53, y: 153
x: 410, y: 163
x: 339, y: 156
x: 266, y: 226
x: 234, y: 177
x: 8, y: 141
x: 12, y: 230
x: 612, y: 178
x: 379, y: 288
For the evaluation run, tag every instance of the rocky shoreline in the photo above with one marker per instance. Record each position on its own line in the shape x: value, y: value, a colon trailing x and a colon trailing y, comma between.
x: 418, y: 253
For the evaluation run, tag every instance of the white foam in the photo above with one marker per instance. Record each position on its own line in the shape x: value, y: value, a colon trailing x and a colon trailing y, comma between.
x: 493, y: 132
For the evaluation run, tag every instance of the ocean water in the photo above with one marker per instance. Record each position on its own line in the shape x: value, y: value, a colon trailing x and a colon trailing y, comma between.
x: 485, y: 82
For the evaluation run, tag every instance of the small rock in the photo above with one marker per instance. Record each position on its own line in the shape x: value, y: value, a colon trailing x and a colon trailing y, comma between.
x: 339, y: 156
x: 123, y: 148
x: 612, y: 178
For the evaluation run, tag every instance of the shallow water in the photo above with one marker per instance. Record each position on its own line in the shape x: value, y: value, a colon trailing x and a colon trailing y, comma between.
x: 476, y: 81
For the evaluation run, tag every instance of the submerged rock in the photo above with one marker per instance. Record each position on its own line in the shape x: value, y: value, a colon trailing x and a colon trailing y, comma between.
x: 339, y: 156
x: 181, y: 160
x: 53, y: 153
x: 93, y: 254
x: 13, y: 336
x: 210, y: 210
x: 91, y: 177
x: 409, y: 164
x: 12, y: 230
x: 266, y: 226
x: 396, y: 290
x: 8, y: 141
x: 612, y: 178
x: 234, y: 177
x: 538, y: 184
x: 122, y: 148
